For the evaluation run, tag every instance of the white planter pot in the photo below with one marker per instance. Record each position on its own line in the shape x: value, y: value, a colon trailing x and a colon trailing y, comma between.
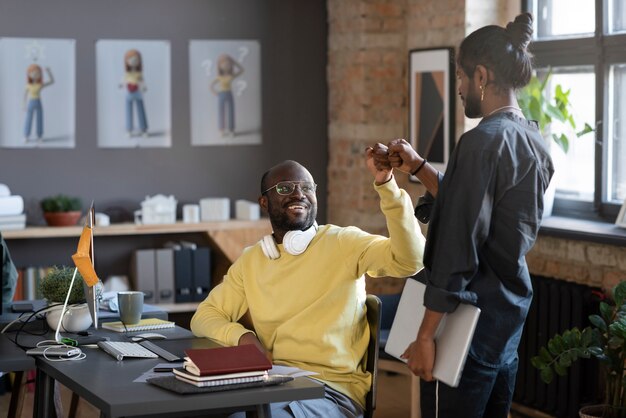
x: 77, y: 318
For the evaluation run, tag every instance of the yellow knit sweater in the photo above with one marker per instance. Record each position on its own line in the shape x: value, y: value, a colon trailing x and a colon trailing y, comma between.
x: 309, y: 310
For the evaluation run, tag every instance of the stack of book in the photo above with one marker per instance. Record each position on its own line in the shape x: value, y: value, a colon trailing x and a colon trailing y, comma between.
x: 12, y: 214
x: 224, y: 366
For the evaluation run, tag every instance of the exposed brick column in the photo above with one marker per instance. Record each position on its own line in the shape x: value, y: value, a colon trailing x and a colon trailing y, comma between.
x: 366, y: 77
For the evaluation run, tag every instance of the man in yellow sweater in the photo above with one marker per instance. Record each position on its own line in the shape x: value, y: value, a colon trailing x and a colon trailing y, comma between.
x: 305, y: 291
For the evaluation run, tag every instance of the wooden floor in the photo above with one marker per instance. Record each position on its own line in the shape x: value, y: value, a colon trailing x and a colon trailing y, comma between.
x: 392, y: 402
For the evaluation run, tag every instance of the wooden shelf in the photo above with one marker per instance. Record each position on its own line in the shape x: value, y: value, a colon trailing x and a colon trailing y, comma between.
x: 228, y: 237
x: 134, y: 229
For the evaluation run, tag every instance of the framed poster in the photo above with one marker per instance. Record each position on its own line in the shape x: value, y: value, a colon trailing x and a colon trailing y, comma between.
x: 431, y: 104
x: 133, y: 93
x: 37, y: 93
x: 225, y: 92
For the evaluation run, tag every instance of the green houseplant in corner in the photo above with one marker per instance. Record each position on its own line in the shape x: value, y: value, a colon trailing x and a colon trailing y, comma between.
x: 605, y: 339
x: 61, y: 210
x: 538, y: 105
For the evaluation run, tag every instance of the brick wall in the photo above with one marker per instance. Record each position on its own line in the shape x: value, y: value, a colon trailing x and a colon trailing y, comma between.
x: 578, y: 261
x: 369, y: 42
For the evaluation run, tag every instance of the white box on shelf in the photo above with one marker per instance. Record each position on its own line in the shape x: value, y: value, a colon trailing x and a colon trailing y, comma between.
x: 247, y: 210
x: 214, y: 209
x: 158, y: 209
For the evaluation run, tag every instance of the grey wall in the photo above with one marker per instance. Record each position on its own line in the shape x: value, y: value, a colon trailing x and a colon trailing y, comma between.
x: 293, y: 37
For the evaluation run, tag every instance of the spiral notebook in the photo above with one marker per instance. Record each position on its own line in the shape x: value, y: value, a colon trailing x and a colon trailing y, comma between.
x: 143, y: 325
x: 207, y: 381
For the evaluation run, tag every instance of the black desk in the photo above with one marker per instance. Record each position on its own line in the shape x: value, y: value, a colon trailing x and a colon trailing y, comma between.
x: 13, y: 359
x: 149, y: 311
x: 108, y: 385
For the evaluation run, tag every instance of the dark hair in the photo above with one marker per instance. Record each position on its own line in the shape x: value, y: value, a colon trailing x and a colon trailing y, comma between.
x: 501, y: 50
x: 264, y: 181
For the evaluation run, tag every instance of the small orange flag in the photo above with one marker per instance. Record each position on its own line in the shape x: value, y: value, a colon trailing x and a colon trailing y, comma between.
x: 82, y: 259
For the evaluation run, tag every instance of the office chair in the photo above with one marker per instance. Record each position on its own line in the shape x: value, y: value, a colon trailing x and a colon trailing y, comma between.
x: 373, y: 319
x: 389, y: 363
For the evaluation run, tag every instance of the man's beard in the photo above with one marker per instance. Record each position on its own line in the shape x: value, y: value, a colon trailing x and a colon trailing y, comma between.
x: 280, y: 219
x: 472, y: 103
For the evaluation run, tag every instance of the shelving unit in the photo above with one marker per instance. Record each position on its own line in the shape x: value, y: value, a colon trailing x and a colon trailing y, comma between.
x: 54, y: 245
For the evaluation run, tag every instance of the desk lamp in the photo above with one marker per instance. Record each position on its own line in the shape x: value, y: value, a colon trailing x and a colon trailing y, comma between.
x: 83, y: 260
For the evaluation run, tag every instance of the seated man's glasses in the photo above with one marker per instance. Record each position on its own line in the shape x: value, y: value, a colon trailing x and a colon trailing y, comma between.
x: 286, y: 188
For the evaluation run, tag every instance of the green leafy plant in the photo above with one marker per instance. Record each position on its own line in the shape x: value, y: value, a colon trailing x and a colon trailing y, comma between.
x: 605, y: 339
x: 61, y: 203
x: 55, y: 284
x: 535, y: 105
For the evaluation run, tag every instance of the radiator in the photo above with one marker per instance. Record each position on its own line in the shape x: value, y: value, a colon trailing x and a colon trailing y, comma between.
x: 557, y: 305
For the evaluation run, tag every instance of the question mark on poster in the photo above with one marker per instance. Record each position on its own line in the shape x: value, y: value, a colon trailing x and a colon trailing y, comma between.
x: 240, y: 86
x: 206, y: 64
x: 243, y: 53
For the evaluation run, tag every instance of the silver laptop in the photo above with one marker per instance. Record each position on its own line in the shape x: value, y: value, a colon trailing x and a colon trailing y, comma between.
x: 453, y: 337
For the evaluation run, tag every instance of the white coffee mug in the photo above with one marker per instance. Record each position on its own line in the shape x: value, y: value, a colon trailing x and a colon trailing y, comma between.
x: 191, y: 214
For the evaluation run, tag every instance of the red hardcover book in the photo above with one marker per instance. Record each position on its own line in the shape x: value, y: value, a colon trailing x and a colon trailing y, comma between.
x: 225, y: 360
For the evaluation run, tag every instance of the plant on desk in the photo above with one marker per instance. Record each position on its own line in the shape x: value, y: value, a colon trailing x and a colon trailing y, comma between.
x: 61, y: 210
x: 54, y: 288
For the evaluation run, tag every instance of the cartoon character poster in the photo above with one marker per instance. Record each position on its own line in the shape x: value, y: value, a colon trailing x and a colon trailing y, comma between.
x: 134, y: 95
x: 37, y: 93
x: 225, y: 92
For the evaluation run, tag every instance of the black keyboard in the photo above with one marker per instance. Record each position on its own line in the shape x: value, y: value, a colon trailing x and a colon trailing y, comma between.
x: 159, y: 351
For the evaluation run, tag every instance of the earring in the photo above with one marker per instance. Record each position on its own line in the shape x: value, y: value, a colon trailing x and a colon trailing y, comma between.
x: 482, y: 92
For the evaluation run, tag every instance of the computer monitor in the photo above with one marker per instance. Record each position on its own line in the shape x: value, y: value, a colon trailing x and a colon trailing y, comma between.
x: 84, y: 261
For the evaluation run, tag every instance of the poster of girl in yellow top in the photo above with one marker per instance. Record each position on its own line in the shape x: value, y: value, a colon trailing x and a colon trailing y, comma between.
x: 133, y: 93
x: 37, y: 93
x: 225, y: 92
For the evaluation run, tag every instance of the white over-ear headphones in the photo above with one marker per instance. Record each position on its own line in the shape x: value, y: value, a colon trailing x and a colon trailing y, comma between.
x: 294, y: 242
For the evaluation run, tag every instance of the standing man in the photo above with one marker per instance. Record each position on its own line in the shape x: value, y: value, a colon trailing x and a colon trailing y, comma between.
x: 485, y: 217
x: 305, y: 291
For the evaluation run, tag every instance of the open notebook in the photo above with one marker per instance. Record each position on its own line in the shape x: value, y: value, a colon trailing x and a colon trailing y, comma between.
x: 454, y: 334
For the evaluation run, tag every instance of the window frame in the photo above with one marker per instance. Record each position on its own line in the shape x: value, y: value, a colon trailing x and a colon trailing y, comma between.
x: 601, y: 50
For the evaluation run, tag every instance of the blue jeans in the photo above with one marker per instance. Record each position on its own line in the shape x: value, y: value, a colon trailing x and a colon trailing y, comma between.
x: 483, y: 392
x: 141, y: 114
x: 334, y: 405
x: 226, y: 107
x: 34, y: 107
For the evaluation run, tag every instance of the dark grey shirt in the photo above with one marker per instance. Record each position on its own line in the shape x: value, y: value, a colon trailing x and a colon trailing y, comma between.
x: 483, y: 221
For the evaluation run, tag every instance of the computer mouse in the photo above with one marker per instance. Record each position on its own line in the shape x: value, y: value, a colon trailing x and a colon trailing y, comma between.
x: 148, y: 336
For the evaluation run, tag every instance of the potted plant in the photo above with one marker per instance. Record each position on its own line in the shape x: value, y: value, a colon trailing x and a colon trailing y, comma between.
x: 537, y: 106
x: 61, y: 210
x: 54, y: 287
x: 605, y: 339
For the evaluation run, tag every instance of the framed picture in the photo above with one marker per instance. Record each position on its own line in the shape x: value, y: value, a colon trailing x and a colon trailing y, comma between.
x: 621, y: 218
x: 225, y: 92
x: 431, y: 104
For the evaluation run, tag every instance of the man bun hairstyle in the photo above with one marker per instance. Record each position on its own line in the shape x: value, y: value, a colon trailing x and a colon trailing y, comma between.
x: 503, y: 51
x: 521, y: 31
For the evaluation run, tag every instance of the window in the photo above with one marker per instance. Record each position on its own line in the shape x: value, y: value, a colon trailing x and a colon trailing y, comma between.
x: 583, y: 46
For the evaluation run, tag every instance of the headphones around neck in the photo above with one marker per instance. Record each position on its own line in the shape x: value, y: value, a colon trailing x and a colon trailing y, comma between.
x: 294, y: 242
